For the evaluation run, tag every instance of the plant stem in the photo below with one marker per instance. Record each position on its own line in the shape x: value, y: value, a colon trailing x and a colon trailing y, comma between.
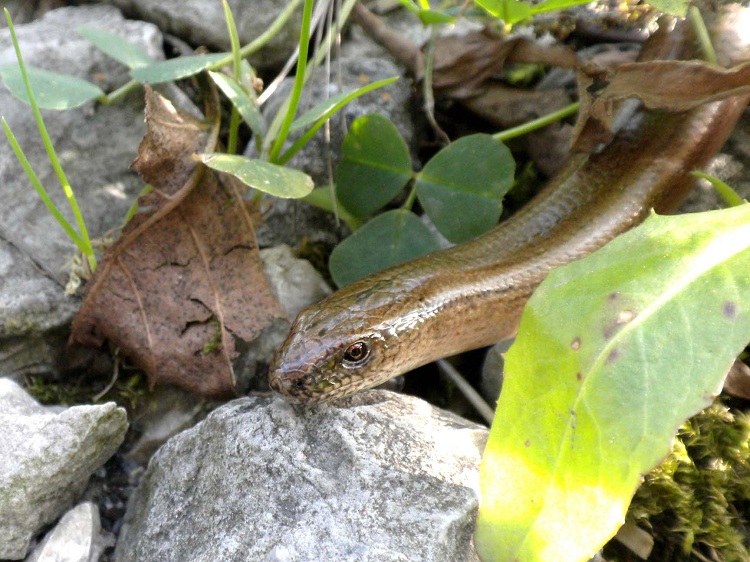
x: 299, y: 82
x: 121, y: 92
x: 537, y: 123
x: 729, y: 195
x: 234, y: 121
x: 84, y: 236
x: 704, y: 39
x: 43, y: 195
x: 409, y: 203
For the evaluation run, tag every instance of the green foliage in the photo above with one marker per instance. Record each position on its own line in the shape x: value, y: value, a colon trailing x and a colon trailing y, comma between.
x: 242, y: 101
x: 393, y: 237
x: 671, y: 7
x: 626, y: 344
x: 116, y: 47
x: 374, y: 167
x: 81, y: 240
x: 263, y: 176
x: 55, y: 90
x: 177, y: 69
x: 694, y: 499
x: 461, y: 189
x: 316, y: 117
x: 514, y: 11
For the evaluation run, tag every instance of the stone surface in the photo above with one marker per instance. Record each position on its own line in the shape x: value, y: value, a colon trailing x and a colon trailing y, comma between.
x: 384, y: 478
x: 202, y: 23
x: 76, y: 538
x: 295, y: 281
x: 47, y: 459
x: 96, y: 145
x: 169, y: 411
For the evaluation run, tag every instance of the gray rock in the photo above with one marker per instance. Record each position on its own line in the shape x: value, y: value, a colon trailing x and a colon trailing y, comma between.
x: 169, y: 411
x: 98, y: 171
x: 76, y: 538
x: 47, y: 461
x: 287, y: 221
x: 385, y: 478
x: 24, y: 11
x: 96, y: 145
x: 295, y: 281
x: 202, y: 23
x: 34, y: 314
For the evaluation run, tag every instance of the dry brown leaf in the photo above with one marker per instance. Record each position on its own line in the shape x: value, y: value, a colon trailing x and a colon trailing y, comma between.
x: 184, y: 281
x: 677, y: 85
x: 464, y: 66
x: 664, y: 85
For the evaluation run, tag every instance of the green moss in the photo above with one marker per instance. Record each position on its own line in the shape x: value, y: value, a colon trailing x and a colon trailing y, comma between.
x: 131, y: 392
x: 48, y: 392
x: 214, y: 343
x: 696, y: 503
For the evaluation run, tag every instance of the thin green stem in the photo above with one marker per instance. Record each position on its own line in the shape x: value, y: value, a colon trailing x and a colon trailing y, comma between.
x: 322, y: 198
x: 326, y: 45
x: 704, y: 39
x: 409, y: 203
x: 262, y: 40
x: 52, y: 155
x: 121, y: 92
x: 234, y: 121
x: 729, y: 195
x: 427, y: 91
x: 538, y: 123
x: 43, y: 195
x: 299, y: 82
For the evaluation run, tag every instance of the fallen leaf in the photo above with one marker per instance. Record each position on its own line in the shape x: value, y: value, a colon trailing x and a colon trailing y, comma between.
x: 669, y: 85
x: 677, y: 85
x: 464, y: 66
x: 184, y: 281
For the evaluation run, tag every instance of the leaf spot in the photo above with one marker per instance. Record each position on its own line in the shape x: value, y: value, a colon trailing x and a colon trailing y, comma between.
x: 575, y: 345
x: 579, y: 376
x: 613, y: 355
x: 527, y: 443
x: 730, y: 309
x: 625, y: 316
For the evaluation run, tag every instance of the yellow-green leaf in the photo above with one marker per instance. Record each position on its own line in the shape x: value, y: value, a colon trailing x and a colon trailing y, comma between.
x: 613, y: 353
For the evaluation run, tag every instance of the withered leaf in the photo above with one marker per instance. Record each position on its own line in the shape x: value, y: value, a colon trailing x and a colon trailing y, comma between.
x: 664, y: 85
x: 464, y: 66
x: 184, y: 281
x: 677, y: 85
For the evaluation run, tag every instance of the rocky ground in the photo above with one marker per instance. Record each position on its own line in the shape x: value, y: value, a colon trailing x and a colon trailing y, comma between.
x: 382, y: 477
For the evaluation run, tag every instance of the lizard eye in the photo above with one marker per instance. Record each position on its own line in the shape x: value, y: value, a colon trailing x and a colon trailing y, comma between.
x: 356, y: 354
